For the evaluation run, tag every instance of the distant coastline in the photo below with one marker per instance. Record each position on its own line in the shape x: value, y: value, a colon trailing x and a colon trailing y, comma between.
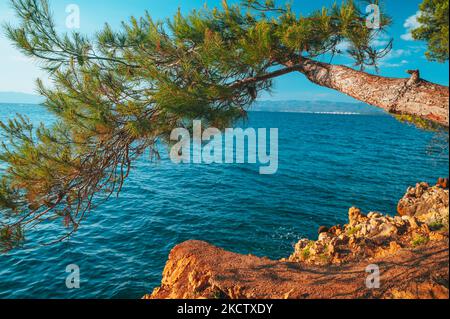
x: 316, y: 107
x: 20, y: 98
x: 281, y: 106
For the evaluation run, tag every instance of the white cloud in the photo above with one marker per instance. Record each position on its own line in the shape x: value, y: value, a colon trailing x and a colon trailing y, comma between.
x: 410, y: 24
x: 397, y: 53
x: 395, y: 57
x: 391, y: 60
x: 343, y: 46
x: 407, y: 36
x: 379, y: 43
x: 393, y: 65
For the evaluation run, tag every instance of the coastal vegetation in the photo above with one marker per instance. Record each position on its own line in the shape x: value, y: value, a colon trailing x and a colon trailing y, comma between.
x: 433, y: 28
x: 117, y: 95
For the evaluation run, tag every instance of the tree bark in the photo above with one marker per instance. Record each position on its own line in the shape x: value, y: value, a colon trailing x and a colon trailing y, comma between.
x: 409, y: 96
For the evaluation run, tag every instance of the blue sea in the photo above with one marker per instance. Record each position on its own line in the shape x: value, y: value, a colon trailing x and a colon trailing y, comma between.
x: 327, y: 163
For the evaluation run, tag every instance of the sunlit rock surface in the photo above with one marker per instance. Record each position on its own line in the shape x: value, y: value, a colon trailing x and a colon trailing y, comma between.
x: 410, y: 251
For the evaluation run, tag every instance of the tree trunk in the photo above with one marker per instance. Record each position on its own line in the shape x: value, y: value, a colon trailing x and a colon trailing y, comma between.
x: 411, y: 96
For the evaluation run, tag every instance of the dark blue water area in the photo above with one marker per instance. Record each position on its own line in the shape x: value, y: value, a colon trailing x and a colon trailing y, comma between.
x: 327, y: 163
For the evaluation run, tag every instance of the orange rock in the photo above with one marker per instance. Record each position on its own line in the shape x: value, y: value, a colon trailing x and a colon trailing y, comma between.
x: 355, y: 216
x: 209, y: 272
x: 425, y: 290
x: 198, y: 270
x: 435, y: 236
x: 442, y: 182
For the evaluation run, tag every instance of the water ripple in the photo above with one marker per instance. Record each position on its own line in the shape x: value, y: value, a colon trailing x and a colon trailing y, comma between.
x: 325, y: 167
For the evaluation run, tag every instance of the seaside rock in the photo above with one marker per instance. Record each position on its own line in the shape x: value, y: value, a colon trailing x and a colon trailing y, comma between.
x: 335, y: 230
x: 436, y: 236
x: 323, y: 236
x: 386, y: 232
x: 323, y: 229
x: 373, y: 215
x: 423, y: 290
x: 428, y: 204
x: 199, y: 270
x: 393, y: 248
x: 443, y: 182
x: 355, y: 216
x: 367, y: 236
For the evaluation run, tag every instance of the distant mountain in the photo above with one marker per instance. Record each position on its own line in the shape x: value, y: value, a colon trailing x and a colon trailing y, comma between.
x: 20, y: 98
x: 314, y: 107
x: 294, y: 106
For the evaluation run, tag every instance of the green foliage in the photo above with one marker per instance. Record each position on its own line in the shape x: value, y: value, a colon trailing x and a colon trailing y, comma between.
x: 436, y: 225
x: 434, y: 28
x: 353, y: 230
x: 119, y: 94
x: 325, y: 258
x: 419, y: 240
x: 306, y: 252
x: 10, y: 237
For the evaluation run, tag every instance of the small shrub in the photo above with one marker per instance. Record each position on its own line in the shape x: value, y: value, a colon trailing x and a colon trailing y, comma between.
x: 353, y: 230
x: 419, y: 240
x: 436, y: 226
x: 324, y: 258
x: 306, y: 252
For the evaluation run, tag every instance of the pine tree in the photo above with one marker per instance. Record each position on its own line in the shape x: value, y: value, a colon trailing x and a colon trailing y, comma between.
x: 433, y: 19
x: 121, y: 93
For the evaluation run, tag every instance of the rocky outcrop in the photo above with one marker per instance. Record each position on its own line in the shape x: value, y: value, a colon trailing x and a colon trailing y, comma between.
x: 411, y: 248
x: 365, y: 237
x: 428, y: 204
x: 197, y: 270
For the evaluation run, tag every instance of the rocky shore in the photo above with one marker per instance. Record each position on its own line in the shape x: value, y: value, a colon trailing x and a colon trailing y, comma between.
x: 410, y: 250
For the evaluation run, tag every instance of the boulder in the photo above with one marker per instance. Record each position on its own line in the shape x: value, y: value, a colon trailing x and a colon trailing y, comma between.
x: 442, y: 182
x: 429, y: 205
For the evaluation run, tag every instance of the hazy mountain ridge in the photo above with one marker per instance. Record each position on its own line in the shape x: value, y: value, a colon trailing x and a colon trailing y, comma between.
x: 298, y: 106
x: 294, y: 106
x: 20, y: 98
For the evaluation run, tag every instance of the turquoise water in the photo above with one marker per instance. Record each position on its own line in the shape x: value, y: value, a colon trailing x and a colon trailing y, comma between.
x: 327, y: 163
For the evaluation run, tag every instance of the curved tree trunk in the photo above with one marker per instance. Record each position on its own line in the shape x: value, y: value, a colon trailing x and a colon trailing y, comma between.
x: 411, y: 96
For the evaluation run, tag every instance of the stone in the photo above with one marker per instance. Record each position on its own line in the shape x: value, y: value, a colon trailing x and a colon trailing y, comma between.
x: 355, y: 216
x: 436, y: 236
x: 323, y: 236
x: 374, y: 223
x: 398, y: 220
x: 374, y: 215
x: 442, y: 182
x: 413, y: 222
x: 386, y: 231
x: 428, y: 204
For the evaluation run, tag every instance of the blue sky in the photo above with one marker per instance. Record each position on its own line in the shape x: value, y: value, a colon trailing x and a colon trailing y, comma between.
x: 18, y: 73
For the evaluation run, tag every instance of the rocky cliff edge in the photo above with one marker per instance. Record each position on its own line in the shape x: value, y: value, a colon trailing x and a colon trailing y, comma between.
x: 409, y: 250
